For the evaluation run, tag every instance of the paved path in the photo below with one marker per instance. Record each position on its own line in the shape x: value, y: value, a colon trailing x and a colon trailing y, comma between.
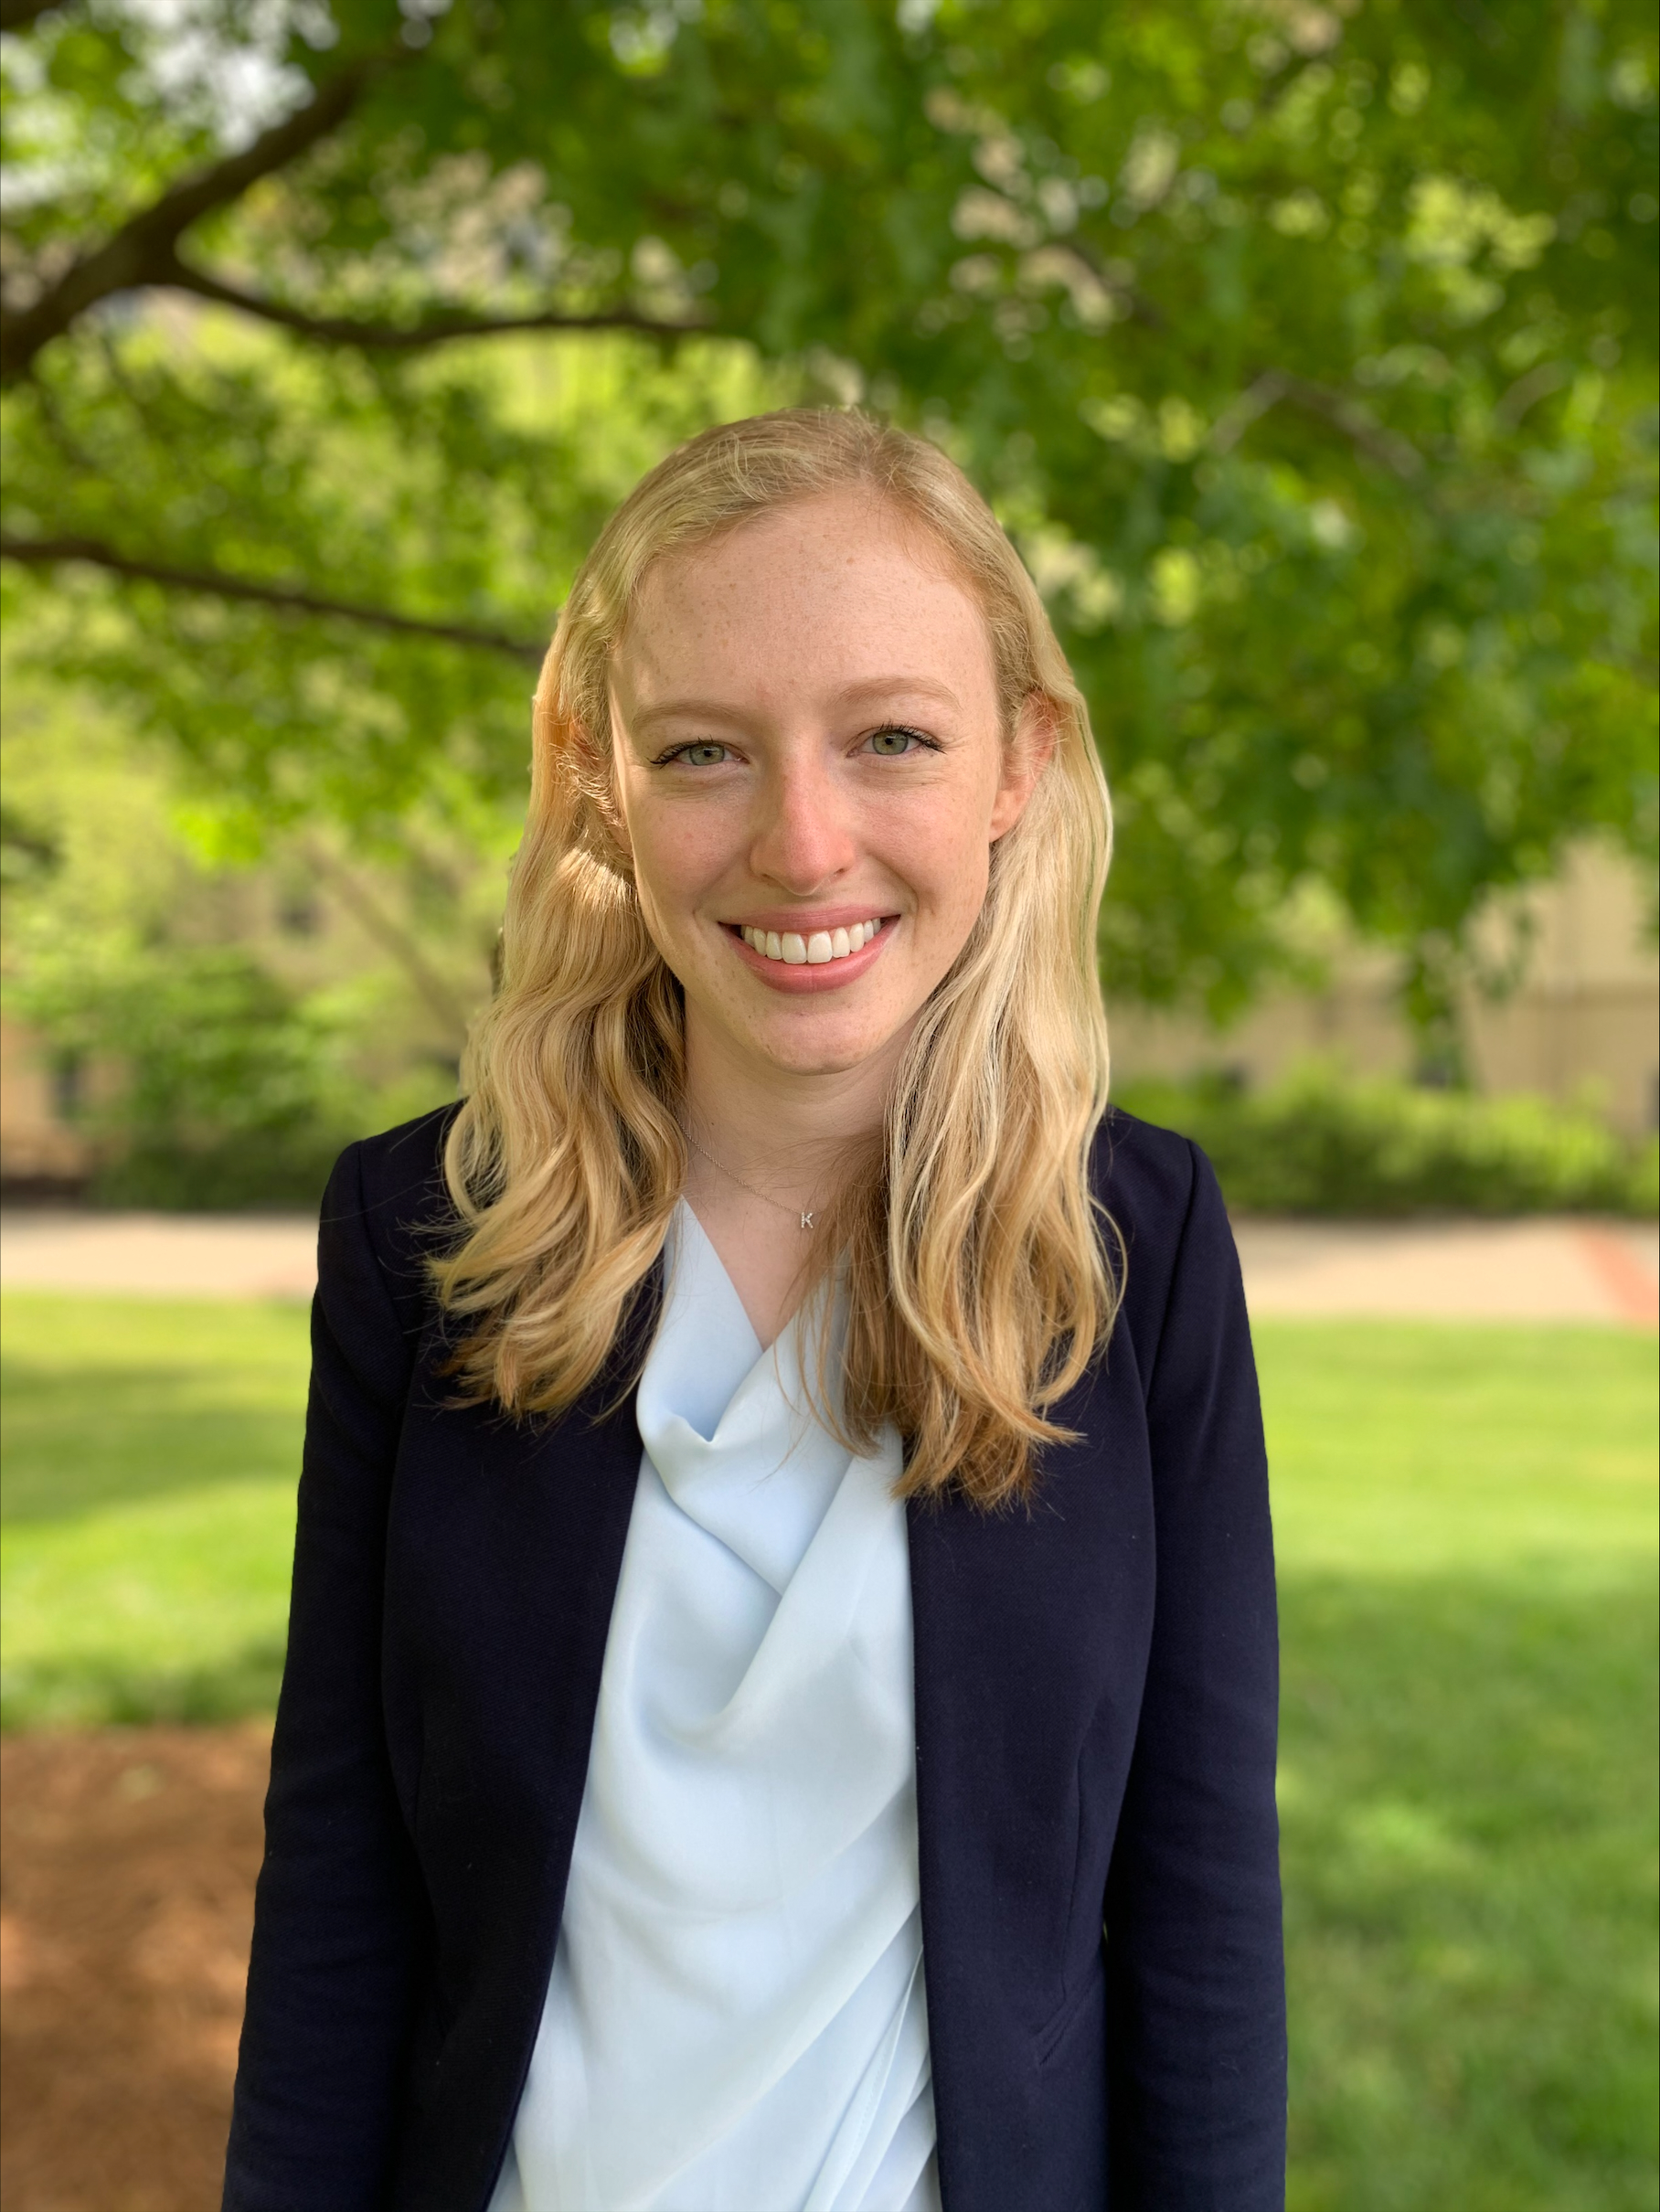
x: 159, y: 1255
x: 1546, y: 1268
x: 1539, y: 1269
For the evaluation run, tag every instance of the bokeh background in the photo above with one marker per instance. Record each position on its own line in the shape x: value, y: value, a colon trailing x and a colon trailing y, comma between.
x: 1308, y: 353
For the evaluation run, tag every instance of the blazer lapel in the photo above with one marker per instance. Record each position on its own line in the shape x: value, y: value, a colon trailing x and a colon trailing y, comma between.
x: 505, y: 1547
x: 962, y: 1712
x: 1030, y: 1628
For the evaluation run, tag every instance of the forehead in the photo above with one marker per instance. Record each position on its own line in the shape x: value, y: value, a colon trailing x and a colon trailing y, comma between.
x: 808, y: 598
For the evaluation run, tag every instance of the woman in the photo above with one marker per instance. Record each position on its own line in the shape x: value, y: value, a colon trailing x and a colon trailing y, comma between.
x: 783, y: 1554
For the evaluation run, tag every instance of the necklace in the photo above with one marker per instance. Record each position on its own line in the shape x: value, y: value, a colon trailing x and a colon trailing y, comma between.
x: 777, y: 1204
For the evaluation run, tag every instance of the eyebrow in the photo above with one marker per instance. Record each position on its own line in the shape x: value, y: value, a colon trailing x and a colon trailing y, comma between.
x: 852, y: 694
x: 885, y: 687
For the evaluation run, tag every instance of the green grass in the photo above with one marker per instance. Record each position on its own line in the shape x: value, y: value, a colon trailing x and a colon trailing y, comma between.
x: 1466, y: 1531
x: 150, y: 1452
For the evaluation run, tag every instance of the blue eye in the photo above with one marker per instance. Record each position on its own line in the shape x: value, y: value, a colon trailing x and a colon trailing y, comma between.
x: 701, y: 756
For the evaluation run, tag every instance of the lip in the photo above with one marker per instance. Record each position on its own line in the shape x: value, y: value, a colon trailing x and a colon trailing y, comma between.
x: 833, y: 974
x: 805, y: 920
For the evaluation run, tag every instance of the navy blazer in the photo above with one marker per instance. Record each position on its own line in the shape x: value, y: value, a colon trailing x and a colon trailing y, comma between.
x: 1096, y: 1700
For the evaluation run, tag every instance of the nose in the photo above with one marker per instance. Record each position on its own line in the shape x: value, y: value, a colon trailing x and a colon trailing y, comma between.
x: 803, y: 838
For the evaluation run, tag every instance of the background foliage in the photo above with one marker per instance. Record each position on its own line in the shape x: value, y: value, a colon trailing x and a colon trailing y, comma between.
x: 1307, y: 349
x: 1318, y: 1142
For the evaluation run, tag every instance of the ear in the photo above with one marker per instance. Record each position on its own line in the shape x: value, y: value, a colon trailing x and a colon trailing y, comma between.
x: 1025, y: 758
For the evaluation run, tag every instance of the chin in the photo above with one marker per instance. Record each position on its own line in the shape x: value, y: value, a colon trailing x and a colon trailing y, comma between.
x: 830, y: 1050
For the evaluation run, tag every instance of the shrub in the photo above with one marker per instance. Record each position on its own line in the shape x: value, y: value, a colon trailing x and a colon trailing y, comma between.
x: 1316, y: 1142
x: 227, y: 1090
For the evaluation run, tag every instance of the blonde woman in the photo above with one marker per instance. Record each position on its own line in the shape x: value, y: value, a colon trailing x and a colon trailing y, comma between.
x: 783, y: 1556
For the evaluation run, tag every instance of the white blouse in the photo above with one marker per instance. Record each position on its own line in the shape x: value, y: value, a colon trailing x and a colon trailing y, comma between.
x: 735, y: 2019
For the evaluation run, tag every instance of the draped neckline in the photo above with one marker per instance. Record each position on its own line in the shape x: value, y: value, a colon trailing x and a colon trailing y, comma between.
x: 736, y: 2019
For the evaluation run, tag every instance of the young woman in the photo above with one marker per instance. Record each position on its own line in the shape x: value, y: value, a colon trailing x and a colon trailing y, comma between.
x: 783, y: 1558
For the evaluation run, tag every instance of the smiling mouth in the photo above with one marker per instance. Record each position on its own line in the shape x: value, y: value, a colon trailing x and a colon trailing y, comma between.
x: 821, y: 949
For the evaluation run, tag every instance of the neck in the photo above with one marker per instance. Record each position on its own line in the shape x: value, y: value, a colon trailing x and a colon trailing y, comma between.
x: 774, y: 1141
x: 788, y: 1132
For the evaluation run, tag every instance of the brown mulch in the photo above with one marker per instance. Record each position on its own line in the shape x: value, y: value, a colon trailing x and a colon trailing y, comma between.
x: 130, y: 1857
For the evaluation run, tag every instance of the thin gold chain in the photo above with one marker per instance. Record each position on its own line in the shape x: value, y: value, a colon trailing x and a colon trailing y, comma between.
x: 805, y: 1218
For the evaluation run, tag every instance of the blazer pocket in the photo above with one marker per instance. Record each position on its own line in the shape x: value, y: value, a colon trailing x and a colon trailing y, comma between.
x: 1060, y: 2023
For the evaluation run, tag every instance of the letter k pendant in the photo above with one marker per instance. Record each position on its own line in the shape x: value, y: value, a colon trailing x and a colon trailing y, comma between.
x: 807, y: 1221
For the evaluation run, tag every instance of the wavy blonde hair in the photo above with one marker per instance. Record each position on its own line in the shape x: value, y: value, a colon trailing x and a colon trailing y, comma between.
x: 979, y: 1286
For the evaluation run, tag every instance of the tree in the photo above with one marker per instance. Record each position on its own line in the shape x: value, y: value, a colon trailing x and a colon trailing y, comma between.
x: 1307, y: 350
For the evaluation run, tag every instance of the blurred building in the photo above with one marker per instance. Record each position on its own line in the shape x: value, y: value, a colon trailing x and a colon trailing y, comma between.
x: 1581, y: 1022
x: 40, y: 1147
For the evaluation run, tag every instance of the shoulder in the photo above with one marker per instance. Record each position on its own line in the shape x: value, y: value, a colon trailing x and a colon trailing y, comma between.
x: 388, y: 1203
x: 1144, y: 1174
x: 399, y: 1175
x: 1161, y: 1196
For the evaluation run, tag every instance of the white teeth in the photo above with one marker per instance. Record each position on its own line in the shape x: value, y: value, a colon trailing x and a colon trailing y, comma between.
x: 822, y: 946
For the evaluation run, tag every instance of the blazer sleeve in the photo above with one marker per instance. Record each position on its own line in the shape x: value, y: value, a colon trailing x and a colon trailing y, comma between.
x: 1194, y: 1957
x: 339, y: 1916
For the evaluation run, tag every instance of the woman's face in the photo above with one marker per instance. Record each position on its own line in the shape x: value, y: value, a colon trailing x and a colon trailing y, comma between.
x: 811, y: 775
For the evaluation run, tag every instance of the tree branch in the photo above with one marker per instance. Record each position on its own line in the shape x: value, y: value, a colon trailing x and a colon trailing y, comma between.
x: 430, y: 330
x: 142, y: 250
x: 1357, y: 423
x: 48, y: 552
x: 1140, y: 308
x: 1534, y: 384
x: 431, y: 987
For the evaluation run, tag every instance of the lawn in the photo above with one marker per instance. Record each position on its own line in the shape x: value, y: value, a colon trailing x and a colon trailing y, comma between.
x: 149, y: 1454
x: 1466, y: 1528
x: 1466, y: 1531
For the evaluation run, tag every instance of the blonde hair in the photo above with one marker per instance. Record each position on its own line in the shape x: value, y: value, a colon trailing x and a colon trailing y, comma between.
x: 978, y: 1284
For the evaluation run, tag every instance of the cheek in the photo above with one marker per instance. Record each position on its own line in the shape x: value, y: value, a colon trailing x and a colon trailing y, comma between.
x: 941, y: 844
x: 677, y: 853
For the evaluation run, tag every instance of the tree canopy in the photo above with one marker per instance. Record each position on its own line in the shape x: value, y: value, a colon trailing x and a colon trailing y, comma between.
x: 1306, y: 349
